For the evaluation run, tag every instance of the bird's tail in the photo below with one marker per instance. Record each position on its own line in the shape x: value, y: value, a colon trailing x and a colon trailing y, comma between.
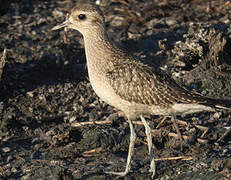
x: 219, y: 103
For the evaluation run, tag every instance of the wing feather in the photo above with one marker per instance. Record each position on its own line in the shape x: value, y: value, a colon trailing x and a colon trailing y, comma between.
x: 137, y: 82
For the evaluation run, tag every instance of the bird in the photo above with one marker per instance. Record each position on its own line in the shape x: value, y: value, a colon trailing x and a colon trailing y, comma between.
x: 127, y: 83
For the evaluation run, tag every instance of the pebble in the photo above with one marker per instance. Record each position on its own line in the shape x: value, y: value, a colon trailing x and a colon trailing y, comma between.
x: 217, y: 115
x: 6, y: 149
x: 26, y: 177
x: 30, y: 94
x: 14, y: 170
x: 170, y: 21
x: 57, y: 14
x: 72, y: 119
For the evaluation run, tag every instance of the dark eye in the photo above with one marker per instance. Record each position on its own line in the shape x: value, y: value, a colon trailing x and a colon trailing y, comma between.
x: 82, y: 16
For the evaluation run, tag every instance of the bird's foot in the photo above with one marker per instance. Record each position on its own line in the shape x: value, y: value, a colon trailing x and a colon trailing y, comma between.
x: 152, y: 168
x: 153, y: 171
x: 122, y: 174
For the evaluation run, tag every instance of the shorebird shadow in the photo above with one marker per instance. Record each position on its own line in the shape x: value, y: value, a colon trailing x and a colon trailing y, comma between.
x: 19, y: 78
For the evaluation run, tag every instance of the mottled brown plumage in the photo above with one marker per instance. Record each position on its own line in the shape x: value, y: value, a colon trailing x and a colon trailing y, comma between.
x: 129, y: 84
x: 136, y: 82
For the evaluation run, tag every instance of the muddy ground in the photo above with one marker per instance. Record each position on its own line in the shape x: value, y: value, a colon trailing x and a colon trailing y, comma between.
x: 53, y: 126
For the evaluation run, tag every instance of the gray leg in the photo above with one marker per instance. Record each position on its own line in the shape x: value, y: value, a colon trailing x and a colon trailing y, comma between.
x: 130, y: 152
x: 150, y: 149
x: 173, y: 119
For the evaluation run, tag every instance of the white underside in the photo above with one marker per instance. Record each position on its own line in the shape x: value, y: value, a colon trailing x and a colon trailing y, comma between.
x: 190, y: 108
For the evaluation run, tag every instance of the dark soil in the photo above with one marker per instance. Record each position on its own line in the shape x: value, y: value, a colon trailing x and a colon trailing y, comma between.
x: 45, y: 92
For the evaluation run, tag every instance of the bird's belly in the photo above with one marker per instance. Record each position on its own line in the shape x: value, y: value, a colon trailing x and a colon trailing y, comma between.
x: 105, y: 92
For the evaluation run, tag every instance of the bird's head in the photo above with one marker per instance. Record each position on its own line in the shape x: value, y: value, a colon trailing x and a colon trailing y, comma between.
x: 84, y: 18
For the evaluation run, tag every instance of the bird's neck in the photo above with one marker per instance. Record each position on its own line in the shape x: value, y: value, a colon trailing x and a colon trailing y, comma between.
x: 98, y: 47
